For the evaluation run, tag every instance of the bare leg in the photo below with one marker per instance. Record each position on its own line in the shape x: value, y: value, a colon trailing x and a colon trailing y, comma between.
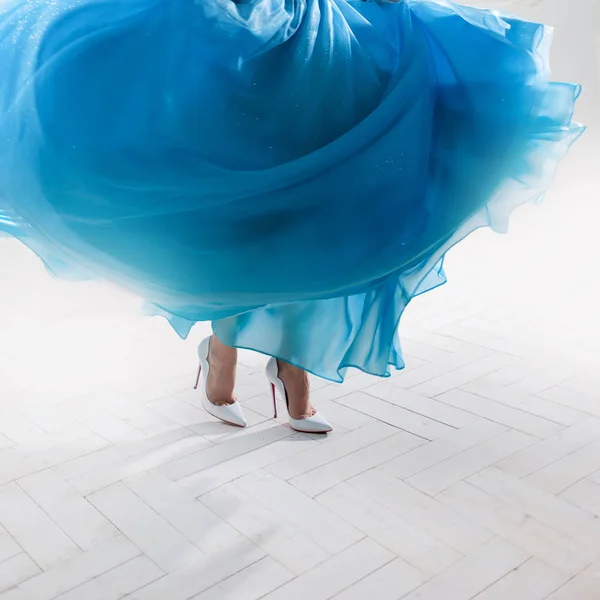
x: 298, y: 390
x: 221, y: 379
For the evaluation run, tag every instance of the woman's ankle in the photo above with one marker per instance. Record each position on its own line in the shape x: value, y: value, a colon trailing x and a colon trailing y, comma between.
x: 222, y: 361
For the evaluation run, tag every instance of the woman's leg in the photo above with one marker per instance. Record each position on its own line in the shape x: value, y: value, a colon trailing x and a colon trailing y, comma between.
x: 221, y: 378
x: 298, y: 390
x: 288, y: 331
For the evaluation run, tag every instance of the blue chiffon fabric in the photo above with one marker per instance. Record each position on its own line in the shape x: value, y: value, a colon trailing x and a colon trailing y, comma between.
x: 293, y: 170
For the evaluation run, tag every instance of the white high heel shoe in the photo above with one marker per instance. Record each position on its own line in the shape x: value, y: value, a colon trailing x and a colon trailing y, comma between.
x: 314, y: 424
x: 232, y: 414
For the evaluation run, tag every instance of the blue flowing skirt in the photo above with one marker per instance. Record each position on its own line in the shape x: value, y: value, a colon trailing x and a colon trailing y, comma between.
x: 293, y: 170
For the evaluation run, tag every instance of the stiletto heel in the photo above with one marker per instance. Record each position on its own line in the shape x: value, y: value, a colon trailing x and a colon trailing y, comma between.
x: 274, y: 400
x: 232, y: 414
x: 198, y: 378
x: 313, y: 424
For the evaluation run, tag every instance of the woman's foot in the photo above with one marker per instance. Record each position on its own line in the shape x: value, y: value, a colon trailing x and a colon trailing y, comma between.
x: 297, y: 387
x: 291, y: 383
x: 220, y: 384
x: 217, y: 370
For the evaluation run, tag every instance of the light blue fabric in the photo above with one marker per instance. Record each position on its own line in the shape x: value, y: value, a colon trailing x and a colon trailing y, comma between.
x: 293, y: 170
